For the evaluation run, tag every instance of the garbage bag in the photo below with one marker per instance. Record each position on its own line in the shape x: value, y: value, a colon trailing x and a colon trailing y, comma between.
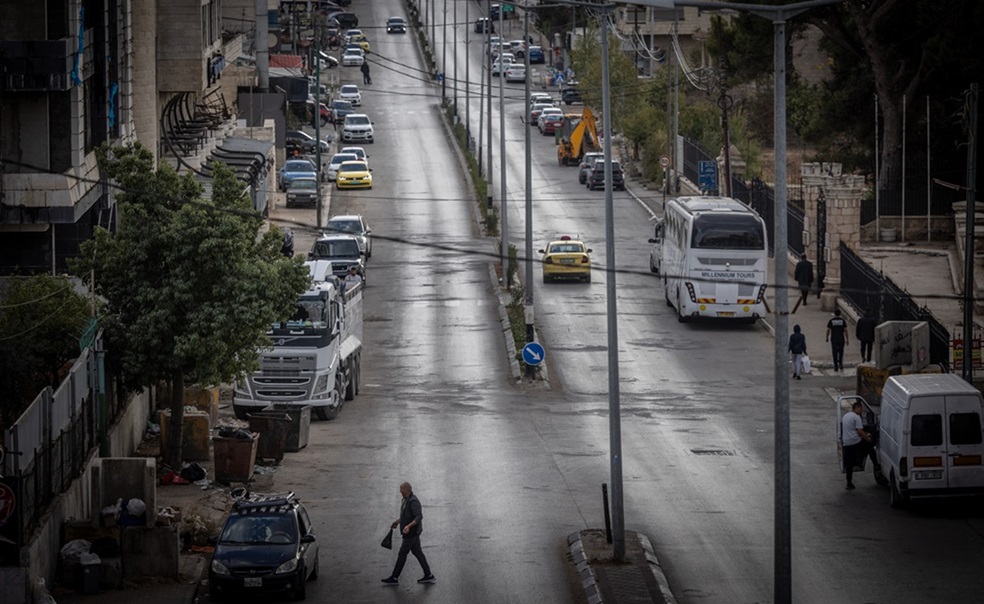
x: 75, y: 548
x: 89, y: 558
x: 193, y: 472
x: 136, y: 507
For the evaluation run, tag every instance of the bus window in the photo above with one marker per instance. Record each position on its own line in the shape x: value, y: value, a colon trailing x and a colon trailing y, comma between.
x: 728, y: 231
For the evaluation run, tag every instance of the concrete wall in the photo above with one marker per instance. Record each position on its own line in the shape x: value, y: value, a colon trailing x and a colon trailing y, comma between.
x: 146, y: 110
x: 180, y: 52
x: 40, y: 556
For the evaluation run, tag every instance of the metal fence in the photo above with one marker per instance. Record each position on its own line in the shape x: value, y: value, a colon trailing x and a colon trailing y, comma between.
x: 864, y: 287
x: 54, y: 436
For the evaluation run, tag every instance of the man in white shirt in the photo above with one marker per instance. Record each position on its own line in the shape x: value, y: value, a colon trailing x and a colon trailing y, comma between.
x: 857, y: 443
x: 352, y: 277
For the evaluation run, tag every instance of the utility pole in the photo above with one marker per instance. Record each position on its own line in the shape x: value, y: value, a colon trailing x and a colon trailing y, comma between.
x: 444, y: 55
x: 503, y: 194
x: 317, y: 54
x: 454, y: 46
x: 531, y: 370
x: 488, y: 76
x: 968, y: 330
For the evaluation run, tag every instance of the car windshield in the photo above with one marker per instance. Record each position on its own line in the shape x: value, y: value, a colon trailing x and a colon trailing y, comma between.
x: 339, y: 248
x: 341, y: 105
x: 349, y: 89
x: 308, y: 312
x: 259, y: 528
x: 298, y: 165
x: 304, y: 183
x: 354, y: 166
x: 359, y: 120
x: 340, y: 158
x: 566, y: 248
x: 345, y: 226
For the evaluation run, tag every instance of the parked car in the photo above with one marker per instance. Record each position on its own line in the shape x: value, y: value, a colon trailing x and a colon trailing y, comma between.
x: 353, y: 57
x: 336, y: 162
x: 483, y: 25
x: 541, y: 97
x: 550, y: 121
x: 339, y: 109
x: 359, y: 152
x: 267, y: 544
x: 347, y: 20
x: 517, y: 47
x: 355, y: 225
x: 596, y: 180
x: 570, y: 95
x: 515, y: 73
x: 350, y: 93
x: 536, y: 55
x: 537, y: 109
x: 302, y: 191
x: 351, y: 33
x: 362, y: 41
x: 396, y: 25
x: 305, y: 141
x: 296, y: 168
x: 357, y: 127
x: 587, y: 163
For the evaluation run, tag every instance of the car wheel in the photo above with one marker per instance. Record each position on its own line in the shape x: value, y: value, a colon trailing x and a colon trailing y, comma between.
x: 587, y: 279
x: 666, y: 294
x: 314, y: 572
x: 652, y: 267
x: 300, y: 592
x: 546, y: 278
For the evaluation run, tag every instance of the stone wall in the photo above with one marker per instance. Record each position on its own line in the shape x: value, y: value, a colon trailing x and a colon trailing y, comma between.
x: 843, y: 194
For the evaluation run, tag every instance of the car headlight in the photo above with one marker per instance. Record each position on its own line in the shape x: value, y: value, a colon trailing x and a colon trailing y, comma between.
x: 287, y: 567
x: 219, y: 568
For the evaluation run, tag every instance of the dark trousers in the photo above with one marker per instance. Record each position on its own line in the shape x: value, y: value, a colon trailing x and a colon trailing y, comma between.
x: 804, y: 293
x: 411, y: 545
x: 854, y: 454
x: 837, y: 349
x: 866, y: 351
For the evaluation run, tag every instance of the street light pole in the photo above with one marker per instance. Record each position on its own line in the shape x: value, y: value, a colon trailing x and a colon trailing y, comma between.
x: 454, y: 47
x: 468, y: 137
x: 502, y: 167
x: 317, y: 129
x: 444, y: 55
x: 529, y: 186
x: 488, y: 77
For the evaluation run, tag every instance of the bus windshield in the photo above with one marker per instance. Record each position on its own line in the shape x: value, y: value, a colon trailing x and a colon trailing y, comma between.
x: 728, y: 231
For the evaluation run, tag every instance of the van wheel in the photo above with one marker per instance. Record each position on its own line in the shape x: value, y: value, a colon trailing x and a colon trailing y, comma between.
x: 666, y: 294
x: 895, y: 497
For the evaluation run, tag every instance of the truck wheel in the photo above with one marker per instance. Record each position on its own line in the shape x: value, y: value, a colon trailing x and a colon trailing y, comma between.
x: 240, y: 412
x: 358, y: 373
x: 350, y: 387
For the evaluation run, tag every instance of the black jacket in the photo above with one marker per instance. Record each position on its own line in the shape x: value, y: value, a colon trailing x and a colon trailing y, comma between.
x: 865, y: 330
x: 410, y: 511
x: 797, y: 343
x: 804, y: 273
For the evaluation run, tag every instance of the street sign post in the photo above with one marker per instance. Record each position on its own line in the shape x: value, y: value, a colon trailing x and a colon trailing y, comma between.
x: 664, y: 161
x: 707, y: 175
x: 533, y: 354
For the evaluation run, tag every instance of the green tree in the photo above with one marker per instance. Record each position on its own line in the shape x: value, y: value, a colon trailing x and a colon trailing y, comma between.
x: 190, y: 285
x: 41, y: 320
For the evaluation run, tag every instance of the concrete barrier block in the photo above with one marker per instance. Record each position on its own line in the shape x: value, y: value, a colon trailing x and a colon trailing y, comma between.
x: 151, y: 551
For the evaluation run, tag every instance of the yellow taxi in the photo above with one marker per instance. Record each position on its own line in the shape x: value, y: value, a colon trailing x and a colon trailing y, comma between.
x: 353, y: 175
x: 566, y: 258
x: 361, y: 40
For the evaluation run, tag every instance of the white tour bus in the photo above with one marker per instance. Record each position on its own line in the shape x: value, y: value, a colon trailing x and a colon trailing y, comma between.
x: 713, y: 258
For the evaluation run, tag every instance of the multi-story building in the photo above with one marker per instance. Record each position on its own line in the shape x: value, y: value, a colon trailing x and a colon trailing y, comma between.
x: 79, y: 74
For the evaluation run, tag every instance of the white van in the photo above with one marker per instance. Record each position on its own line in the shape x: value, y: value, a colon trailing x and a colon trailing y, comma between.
x: 931, y: 437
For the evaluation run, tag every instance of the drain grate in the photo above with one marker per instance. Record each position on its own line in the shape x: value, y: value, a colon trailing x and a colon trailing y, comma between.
x: 711, y: 452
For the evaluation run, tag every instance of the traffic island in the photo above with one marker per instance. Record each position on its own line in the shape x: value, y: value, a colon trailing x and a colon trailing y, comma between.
x: 638, y: 577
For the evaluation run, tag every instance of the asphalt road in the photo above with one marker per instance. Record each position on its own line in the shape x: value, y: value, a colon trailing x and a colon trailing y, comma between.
x: 506, y: 471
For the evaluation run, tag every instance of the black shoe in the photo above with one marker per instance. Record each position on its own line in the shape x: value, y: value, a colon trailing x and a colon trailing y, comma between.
x: 850, y: 487
x: 391, y: 581
x: 427, y: 579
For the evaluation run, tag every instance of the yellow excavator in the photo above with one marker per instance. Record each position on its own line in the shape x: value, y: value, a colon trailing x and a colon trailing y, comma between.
x: 581, y: 138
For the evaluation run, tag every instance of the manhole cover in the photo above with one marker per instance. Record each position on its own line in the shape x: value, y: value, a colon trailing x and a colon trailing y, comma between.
x: 711, y: 452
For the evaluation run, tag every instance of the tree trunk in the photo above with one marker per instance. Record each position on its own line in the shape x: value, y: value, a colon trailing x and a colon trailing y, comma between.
x: 175, y: 436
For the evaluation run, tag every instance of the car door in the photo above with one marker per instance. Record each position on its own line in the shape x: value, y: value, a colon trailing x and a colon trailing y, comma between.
x: 964, y: 441
x: 309, y: 551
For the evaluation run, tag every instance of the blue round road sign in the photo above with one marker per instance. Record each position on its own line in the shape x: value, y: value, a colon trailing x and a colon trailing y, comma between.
x: 533, y: 353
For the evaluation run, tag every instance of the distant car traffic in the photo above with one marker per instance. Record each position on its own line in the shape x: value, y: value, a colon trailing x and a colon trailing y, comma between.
x: 515, y: 73
x: 536, y: 55
x: 550, y: 121
x: 296, y: 168
x: 305, y: 141
x: 359, y: 152
x: 357, y: 127
x: 353, y: 225
x: 396, y: 25
x: 483, y: 25
x: 587, y: 163
x: 339, y: 109
x: 537, y: 109
x: 350, y: 93
x: 343, y: 251
x: 596, y: 180
x: 302, y: 191
x: 353, y: 174
x: 566, y: 258
x: 362, y: 41
x: 336, y: 162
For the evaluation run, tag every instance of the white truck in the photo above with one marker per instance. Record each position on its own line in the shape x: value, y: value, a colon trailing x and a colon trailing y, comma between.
x: 316, y: 355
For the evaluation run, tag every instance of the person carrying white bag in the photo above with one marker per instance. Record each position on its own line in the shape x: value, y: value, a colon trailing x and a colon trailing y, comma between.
x: 797, y: 347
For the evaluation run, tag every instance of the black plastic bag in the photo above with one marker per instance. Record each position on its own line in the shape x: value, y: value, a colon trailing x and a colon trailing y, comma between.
x: 387, y: 541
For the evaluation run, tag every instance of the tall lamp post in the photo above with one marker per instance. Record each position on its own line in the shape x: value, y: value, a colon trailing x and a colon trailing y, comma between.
x: 778, y: 15
x: 529, y: 185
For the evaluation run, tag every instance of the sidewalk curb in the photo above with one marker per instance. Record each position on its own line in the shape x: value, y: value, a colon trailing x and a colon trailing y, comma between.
x: 657, y: 569
x: 584, y: 571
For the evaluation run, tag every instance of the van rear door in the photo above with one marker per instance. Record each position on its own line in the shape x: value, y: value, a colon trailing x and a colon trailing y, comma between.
x: 965, y: 441
x: 927, y: 444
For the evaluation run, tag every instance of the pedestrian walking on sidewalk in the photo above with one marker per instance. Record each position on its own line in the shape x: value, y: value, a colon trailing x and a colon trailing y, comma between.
x: 797, y: 347
x: 865, y: 333
x: 410, y: 528
x: 366, y: 78
x: 837, y: 336
x: 856, y: 444
x: 804, y: 277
